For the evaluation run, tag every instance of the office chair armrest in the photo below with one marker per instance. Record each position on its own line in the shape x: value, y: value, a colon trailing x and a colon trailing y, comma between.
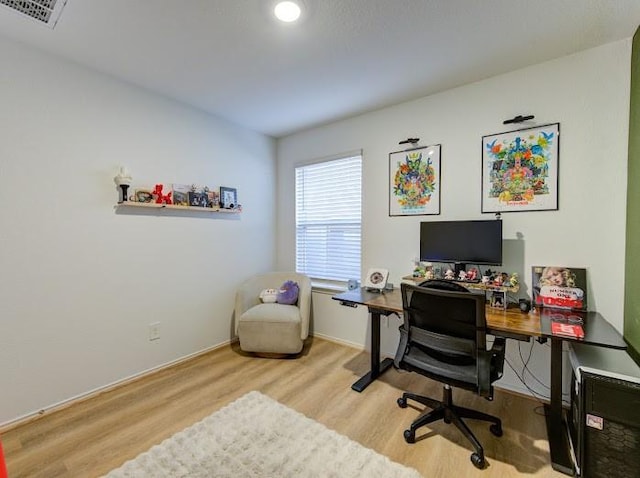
x: 484, y: 374
x: 488, y: 361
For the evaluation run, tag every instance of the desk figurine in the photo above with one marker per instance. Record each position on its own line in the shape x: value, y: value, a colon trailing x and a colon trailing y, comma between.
x: 462, y: 276
x: 449, y: 275
x: 421, y: 269
x: 472, y: 274
x: 514, y: 280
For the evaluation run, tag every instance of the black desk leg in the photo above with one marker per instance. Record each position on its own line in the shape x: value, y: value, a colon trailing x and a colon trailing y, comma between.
x: 556, y: 429
x: 377, y: 367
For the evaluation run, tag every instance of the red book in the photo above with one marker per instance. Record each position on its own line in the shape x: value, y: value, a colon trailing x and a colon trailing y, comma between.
x: 567, y: 330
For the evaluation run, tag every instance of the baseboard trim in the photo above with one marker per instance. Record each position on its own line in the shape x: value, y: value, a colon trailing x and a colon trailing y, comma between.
x: 31, y: 417
x: 335, y: 340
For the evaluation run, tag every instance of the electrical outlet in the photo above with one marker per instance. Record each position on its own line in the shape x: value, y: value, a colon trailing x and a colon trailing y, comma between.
x: 154, y: 331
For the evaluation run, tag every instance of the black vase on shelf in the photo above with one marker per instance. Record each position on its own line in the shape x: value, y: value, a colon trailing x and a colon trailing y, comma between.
x: 124, y: 188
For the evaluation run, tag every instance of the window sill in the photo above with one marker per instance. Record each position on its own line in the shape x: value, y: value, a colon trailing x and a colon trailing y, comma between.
x: 328, y: 287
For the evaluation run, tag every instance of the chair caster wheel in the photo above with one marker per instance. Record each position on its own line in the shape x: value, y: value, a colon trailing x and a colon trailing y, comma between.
x: 409, y: 436
x: 402, y: 402
x: 478, y: 461
x: 496, y: 430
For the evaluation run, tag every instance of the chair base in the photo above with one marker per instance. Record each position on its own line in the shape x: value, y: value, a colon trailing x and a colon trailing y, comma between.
x: 450, y: 413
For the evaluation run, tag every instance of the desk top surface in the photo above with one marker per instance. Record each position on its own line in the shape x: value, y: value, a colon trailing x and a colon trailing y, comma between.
x: 510, y: 323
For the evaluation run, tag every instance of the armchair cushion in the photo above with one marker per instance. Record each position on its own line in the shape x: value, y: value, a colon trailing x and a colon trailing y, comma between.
x: 272, y: 313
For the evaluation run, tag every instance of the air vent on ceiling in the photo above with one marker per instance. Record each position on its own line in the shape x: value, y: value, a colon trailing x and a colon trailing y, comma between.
x: 45, y: 12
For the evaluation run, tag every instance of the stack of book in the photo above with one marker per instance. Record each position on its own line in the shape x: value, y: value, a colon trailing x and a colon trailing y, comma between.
x: 567, y: 325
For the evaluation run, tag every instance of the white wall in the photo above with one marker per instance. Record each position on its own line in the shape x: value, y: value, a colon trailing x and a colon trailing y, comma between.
x: 587, y: 93
x: 80, y: 283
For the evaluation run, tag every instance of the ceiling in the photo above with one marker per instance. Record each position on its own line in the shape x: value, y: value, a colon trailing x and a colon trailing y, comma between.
x: 346, y: 57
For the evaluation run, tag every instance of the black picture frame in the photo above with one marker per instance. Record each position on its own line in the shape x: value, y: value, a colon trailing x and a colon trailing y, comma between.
x: 520, y: 170
x: 414, y: 181
x: 228, y: 198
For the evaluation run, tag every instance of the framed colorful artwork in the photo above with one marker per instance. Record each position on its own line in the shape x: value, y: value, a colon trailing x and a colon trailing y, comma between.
x: 414, y: 181
x: 520, y: 170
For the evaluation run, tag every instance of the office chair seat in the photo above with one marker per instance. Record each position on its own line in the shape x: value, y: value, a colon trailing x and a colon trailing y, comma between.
x: 443, y: 337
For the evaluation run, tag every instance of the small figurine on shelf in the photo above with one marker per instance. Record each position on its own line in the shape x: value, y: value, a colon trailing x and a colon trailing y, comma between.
x: 429, y: 275
x: 472, y: 274
x: 462, y: 275
x: 161, y: 198
x: 485, y: 280
x: 420, y: 269
x: 498, y: 280
x: 514, y: 279
x: 449, y: 275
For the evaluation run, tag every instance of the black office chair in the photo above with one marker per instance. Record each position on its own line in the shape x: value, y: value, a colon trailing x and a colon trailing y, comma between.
x: 444, y: 338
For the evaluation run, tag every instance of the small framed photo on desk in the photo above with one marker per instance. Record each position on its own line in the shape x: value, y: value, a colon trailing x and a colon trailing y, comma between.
x: 498, y: 299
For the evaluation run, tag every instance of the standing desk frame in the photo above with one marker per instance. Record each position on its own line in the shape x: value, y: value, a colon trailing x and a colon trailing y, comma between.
x: 510, y: 323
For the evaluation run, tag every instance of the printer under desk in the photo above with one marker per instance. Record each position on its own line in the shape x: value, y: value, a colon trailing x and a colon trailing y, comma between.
x: 604, y: 421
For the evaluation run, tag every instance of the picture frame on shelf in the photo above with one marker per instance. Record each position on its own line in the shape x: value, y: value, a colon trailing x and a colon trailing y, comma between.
x: 213, y: 198
x: 520, y: 170
x: 198, y: 197
x: 228, y: 198
x: 414, y: 181
x: 181, y: 194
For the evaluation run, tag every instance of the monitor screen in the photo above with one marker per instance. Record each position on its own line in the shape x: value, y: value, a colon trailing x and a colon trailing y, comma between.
x: 462, y: 242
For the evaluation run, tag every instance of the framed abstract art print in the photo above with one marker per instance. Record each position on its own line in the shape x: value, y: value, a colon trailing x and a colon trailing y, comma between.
x: 520, y: 170
x: 414, y: 181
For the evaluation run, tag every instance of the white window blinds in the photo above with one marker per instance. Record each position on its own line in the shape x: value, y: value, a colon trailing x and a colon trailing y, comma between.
x: 328, y: 218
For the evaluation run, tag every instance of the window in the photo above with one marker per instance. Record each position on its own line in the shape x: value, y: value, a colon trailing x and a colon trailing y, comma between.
x: 328, y: 218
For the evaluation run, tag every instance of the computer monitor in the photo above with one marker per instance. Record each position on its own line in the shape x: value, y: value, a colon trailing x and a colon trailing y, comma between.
x: 477, y: 242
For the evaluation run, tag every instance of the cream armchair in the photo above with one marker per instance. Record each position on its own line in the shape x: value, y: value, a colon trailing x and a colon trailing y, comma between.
x: 272, y: 328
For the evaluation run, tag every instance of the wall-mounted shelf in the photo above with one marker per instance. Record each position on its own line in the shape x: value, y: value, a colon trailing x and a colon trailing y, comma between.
x: 129, y: 205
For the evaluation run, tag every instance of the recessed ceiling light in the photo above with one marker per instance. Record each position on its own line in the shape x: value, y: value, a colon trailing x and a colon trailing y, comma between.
x: 287, y: 11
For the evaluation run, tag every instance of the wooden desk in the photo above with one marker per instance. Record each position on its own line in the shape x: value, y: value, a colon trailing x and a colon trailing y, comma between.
x: 510, y: 323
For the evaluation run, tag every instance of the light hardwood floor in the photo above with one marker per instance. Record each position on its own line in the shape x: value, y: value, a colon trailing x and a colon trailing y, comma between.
x: 92, y: 437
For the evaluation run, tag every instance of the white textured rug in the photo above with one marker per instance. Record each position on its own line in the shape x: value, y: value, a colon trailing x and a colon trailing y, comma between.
x: 256, y: 436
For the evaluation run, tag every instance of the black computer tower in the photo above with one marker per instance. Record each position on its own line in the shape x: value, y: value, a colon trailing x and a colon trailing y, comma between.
x: 604, y: 421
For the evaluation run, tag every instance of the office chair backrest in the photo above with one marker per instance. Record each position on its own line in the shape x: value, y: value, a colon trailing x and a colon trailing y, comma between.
x: 439, y: 312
